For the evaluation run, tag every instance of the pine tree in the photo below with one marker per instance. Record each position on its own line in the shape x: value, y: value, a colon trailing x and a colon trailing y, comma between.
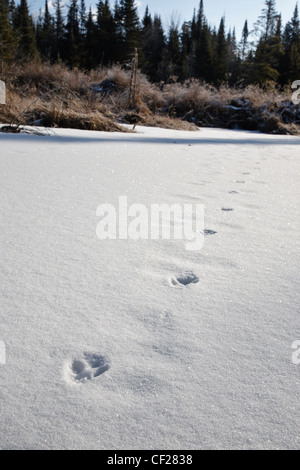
x: 194, y: 27
x: 221, y: 65
x: 90, y: 43
x: 291, y: 43
x: 154, y: 53
x: 59, y: 27
x: 46, y: 34
x: 276, y: 48
x: 24, y: 29
x: 186, y: 50
x: 204, y: 56
x: 202, y: 51
x: 266, y: 25
x: 233, y: 57
x: 71, y: 51
x: 201, y: 18
x: 243, y: 46
x: 269, y: 51
x: 119, y: 32
x: 7, y: 41
x: 174, y: 52
x: 82, y: 18
x: 147, y: 20
x: 146, y: 33
x: 106, y: 33
x: 130, y: 26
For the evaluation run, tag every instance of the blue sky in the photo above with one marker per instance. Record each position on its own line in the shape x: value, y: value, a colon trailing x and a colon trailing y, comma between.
x: 235, y: 11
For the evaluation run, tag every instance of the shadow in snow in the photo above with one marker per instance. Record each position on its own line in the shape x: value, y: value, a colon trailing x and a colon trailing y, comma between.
x: 259, y: 139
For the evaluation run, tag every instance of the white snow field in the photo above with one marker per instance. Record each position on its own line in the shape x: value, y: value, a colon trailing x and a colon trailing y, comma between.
x: 105, y: 349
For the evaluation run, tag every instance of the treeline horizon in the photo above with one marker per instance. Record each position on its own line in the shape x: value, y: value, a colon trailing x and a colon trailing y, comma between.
x: 82, y: 39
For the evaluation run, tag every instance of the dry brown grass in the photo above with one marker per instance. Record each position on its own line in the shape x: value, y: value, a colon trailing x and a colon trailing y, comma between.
x: 98, y: 100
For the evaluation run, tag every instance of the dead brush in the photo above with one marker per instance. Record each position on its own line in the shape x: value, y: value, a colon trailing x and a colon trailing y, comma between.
x: 66, y: 118
x: 53, y: 95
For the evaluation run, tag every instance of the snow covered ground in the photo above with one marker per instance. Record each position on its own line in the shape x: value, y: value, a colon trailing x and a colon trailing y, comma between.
x: 104, y: 348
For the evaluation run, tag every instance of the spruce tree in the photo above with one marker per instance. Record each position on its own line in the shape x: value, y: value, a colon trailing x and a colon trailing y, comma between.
x: 59, y: 28
x: 291, y: 43
x: 130, y: 26
x: 243, y: 46
x: 186, y: 50
x: 71, y: 51
x: 147, y: 20
x: 25, y: 33
x: 201, y: 18
x: 269, y: 50
x: 204, y: 56
x: 233, y: 57
x: 146, y: 33
x: 266, y: 25
x: 7, y: 40
x: 82, y: 18
x: 221, y: 58
x: 154, y: 53
x: 174, y: 52
x: 90, y: 43
x: 106, y: 33
x: 46, y: 35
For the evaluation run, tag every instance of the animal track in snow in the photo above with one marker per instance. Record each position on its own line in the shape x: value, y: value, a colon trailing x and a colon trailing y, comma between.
x: 209, y: 232
x: 233, y: 192
x: 87, y: 367
x: 184, y: 279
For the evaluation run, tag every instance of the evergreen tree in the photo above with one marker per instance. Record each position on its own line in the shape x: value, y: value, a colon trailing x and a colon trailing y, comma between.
x: 59, y: 28
x: 71, y: 51
x: 119, y: 32
x: 233, y: 58
x: 276, y: 51
x: 146, y: 34
x: 130, y: 26
x: 106, y: 33
x: 291, y: 43
x: 243, y: 46
x: 174, y: 52
x: 266, y: 25
x: 82, y: 18
x: 25, y: 32
x: 204, y: 56
x: 7, y: 41
x: 221, y: 58
x: 186, y: 50
x: 46, y: 34
x: 90, y: 44
x: 147, y: 20
x: 154, y: 53
x: 269, y: 50
x: 201, y: 18
x: 194, y: 27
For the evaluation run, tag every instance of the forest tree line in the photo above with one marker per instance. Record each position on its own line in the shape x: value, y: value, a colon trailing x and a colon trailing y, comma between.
x: 87, y: 39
